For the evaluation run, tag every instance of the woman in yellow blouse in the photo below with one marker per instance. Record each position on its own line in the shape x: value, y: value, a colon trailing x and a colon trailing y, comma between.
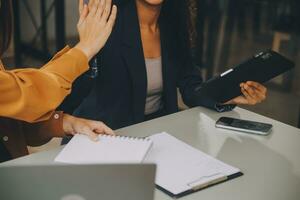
x: 32, y: 95
x: 23, y: 89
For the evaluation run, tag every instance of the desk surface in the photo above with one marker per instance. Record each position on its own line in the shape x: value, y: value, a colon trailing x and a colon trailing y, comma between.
x: 271, y: 164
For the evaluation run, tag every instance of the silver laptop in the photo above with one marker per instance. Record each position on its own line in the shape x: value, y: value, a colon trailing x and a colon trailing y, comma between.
x: 78, y: 182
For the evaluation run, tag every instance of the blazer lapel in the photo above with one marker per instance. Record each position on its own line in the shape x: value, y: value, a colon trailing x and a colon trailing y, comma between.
x: 133, y: 55
x: 168, y: 69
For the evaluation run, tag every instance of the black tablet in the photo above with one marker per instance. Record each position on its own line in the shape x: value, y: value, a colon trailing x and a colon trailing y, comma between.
x: 261, y: 68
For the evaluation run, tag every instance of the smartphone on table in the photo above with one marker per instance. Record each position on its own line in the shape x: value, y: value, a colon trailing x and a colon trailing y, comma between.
x: 244, y: 126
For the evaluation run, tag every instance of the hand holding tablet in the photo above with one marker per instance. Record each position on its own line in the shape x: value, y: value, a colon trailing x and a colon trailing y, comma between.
x: 246, y: 79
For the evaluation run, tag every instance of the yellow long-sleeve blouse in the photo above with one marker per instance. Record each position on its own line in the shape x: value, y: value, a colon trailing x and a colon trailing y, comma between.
x: 32, y: 95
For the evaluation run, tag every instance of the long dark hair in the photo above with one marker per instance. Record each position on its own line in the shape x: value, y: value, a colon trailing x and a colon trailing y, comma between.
x: 176, y: 14
x: 6, y: 25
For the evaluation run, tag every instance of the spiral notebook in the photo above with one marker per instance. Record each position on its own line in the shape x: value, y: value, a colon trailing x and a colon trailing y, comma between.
x: 109, y: 149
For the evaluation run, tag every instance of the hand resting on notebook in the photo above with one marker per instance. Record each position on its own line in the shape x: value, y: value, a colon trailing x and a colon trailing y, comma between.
x: 73, y: 125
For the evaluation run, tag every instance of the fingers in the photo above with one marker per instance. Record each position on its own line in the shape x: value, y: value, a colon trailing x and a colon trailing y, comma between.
x: 90, y: 133
x: 108, y: 131
x: 257, y: 86
x: 100, y: 9
x: 101, y: 128
x: 94, y: 8
x: 96, y: 128
x: 86, y: 127
x: 80, y: 6
x: 251, y: 91
x: 256, y: 91
x: 91, y: 3
x: 261, y: 96
x: 83, y: 14
x: 95, y: 26
x: 112, y: 18
x: 106, y: 12
x: 249, y: 99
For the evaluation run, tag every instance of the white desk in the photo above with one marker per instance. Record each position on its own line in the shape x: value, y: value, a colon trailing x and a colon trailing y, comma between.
x: 271, y: 164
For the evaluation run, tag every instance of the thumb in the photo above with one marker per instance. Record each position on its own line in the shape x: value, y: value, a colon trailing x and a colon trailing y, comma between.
x: 90, y: 133
x: 101, y: 128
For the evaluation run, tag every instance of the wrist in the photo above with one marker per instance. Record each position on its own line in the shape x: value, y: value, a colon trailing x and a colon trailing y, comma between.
x: 85, y: 49
x: 67, y: 124
x: 230, y: 102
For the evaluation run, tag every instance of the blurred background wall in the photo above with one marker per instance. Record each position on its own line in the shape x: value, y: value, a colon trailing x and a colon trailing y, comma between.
x: 226, y: 32
x: 71, y: 17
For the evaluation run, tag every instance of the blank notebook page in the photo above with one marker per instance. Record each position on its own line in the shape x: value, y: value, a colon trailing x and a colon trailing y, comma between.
x: 109, y: 149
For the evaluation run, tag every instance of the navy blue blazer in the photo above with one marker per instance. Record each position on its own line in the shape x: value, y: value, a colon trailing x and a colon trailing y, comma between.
x: 117, y: 96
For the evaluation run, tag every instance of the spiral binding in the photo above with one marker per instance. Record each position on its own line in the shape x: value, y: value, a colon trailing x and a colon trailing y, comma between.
x: 126, y: 137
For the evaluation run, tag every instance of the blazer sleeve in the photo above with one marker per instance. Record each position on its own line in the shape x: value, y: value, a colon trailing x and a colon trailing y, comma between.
x: 32, y: 95
x: 189, y: 81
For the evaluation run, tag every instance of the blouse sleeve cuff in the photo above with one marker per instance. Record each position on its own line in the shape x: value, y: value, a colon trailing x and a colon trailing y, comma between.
x: 57, y: 124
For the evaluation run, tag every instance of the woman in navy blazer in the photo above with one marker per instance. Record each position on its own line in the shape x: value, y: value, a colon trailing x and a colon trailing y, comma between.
x: 118, y: 95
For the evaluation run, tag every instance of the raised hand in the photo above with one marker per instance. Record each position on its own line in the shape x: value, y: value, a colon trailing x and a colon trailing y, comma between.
x: 95, y: 25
